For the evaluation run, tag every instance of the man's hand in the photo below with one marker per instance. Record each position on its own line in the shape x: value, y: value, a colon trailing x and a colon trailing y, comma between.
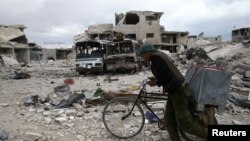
x: 152, y: 82
x: 152, y: 78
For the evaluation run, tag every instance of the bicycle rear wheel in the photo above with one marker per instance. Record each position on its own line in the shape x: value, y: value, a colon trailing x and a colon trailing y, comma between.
x: 119, y: 122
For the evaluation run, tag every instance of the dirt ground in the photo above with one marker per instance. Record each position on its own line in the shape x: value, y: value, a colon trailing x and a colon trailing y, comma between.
x: 84, y: 123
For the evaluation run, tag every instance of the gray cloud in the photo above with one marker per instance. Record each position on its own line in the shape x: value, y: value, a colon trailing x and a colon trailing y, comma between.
x: 60, y: 20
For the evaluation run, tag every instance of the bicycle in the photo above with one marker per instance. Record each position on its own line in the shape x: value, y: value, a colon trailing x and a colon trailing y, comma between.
x: 124, y: 118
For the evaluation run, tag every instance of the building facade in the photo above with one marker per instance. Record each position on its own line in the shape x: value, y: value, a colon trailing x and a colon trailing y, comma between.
x: 241, y: 34
x: 143, y: 26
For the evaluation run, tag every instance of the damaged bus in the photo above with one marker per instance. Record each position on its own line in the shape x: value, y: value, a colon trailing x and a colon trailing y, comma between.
x: 90, y: 57
x: 122, y: 56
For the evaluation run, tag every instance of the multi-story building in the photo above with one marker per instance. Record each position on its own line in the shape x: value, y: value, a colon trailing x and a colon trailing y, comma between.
x: 140, y: 25
x: 143, y: 26
x: 13, y: 43
x: 241, y: 34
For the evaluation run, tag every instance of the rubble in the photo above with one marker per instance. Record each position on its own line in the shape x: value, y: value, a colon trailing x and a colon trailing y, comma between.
x: 73, y: 113
x: 4, y: 104
x: 72, y: 99
x: 32, y: 100
x: 31, y: 136
x: 62, y: 88
x: 3, y: 135
x: 7, y: 61
x: 21, y: 75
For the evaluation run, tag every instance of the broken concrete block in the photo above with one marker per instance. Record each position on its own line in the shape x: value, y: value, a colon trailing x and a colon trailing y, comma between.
x: 236, y: 122
x: 40, y: 110
x: 80, y: 138
x: 46, y: 113
x: 247, y: 74
x: 79, y: 114
x: 158, y: 106
x: 31, y: 136
x: 71, y: 117
x: 47, y: 120
x: 3, y: 135
x: 247, y: 62
x: 70, y: 112
x: 4, y: 104
x: 77, y: 106
x: 31, y: 100
x: 61, y: 119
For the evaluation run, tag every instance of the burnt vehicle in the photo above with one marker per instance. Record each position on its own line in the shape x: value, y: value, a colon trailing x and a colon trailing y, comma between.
x: 90, y: 57
x: 121, y: 56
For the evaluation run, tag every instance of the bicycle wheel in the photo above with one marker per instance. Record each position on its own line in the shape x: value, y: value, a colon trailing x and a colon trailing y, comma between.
x: 119, y: 122
x: 210, y: 112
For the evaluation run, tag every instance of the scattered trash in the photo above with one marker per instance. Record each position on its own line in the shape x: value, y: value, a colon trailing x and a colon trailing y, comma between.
x: 63, y: 88
x: 21, y: 75
x: 133, y: 88
x: 31, y: 100
x: 94, y: 102
x: 69, y: 81
x: 3, y: 135
x: 240, y: 102
x: 109, y: 79
x: 151, y: 117
x: 98, y: 92
x: 75, y: 98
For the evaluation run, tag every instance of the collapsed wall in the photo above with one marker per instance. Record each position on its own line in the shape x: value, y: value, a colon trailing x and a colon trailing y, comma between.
x: 7, y: 61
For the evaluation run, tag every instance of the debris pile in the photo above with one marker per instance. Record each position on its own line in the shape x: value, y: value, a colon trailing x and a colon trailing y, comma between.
x: 50, y: 102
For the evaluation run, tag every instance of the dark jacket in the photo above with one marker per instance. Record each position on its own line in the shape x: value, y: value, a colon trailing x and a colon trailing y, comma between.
x: 166, y: 73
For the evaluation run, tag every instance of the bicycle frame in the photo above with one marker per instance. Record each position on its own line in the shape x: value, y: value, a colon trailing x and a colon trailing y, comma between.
x: 143, y: 98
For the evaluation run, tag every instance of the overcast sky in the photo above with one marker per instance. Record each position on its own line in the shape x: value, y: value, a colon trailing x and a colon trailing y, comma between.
x: 60, y: 20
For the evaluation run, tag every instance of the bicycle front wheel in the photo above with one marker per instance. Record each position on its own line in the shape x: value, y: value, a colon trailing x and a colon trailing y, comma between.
x: 123, y: 118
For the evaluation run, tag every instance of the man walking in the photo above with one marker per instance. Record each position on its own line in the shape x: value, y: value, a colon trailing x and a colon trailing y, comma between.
x: 179, y: 105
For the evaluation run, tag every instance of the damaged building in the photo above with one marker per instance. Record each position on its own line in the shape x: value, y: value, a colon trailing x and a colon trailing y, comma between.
x: 241, y: 34
x: 100, y: 31
x: 13, y: 43
x: 57, y: 50
x: 140, y: 25
x: 36, y: 52
x: 57, y: 53
x: 171, y: 40
x: 211, y: 39
x: 97, y: 32
x: 214, y: 40
x: 144, y: 26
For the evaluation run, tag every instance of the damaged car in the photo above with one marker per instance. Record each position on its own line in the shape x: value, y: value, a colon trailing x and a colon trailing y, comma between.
x: 121, y: 56
x: 89, y: 57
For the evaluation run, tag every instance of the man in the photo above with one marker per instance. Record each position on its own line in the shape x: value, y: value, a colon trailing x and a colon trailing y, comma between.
x: 177, y: 112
